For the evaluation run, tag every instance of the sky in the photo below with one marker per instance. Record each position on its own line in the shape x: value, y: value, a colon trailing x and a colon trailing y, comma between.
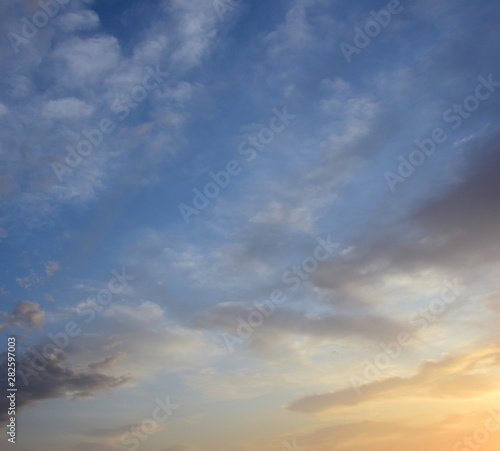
x: 238, y: 225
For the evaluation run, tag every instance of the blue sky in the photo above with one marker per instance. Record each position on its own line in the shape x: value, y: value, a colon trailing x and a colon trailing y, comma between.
x: 328, y: 231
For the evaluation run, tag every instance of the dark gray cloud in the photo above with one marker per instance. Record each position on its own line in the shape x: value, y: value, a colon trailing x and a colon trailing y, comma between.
x: 453, y: 230
x: 53, y: 378
x: 284, y: 321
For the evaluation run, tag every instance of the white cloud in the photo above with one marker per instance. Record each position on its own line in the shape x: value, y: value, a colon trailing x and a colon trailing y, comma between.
x: 197, y: 27
x: 152, y: 48
x: 69, y: 107
x: 82, y: 20
x: 293, y: 35
x: 88, y: 59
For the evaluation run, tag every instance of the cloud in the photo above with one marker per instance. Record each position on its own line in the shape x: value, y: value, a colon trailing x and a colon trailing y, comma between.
x: 116, y: 432
x: 143, y: 339
x: 66, y: 108
x: 55, y: 379
x: 412, y: 433
x: 25, y: 314
x: 51, y: 267
x: 32, y: 279
x: 227, y: 316
x: 106, y: 362
x: 196, y: 27
x: 49, y: 297
x: 76, y: 21
x: 323, y: 175
x: 459, y: 376
x: 87, y: 60
x: 278, y: 213
x: 293, y: 35
x: 453, y: 230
